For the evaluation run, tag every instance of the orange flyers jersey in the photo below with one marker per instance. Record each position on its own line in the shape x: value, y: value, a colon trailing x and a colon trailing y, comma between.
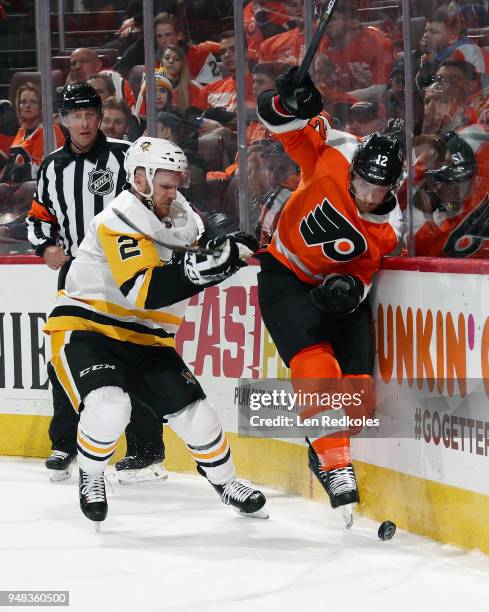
x: 369, y: 49
x: 31, y: 149
x: 465, y: 234
x: 222, y: 94
x: 287, y: 47
x: 320, y: 231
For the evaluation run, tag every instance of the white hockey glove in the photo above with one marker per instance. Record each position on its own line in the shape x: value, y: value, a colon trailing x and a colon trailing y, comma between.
x: 210, y: 269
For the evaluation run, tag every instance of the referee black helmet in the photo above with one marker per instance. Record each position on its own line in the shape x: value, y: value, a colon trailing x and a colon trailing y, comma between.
x: 77, y: 96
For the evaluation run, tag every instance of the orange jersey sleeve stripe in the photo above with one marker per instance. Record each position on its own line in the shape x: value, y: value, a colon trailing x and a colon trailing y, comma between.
x: 41, y: 212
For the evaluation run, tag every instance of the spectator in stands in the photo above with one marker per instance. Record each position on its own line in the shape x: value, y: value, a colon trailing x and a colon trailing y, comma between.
x: 27, y: 149
x: 283, y: 179
x: 445, y: 37
x: 264, y: 77
x: 287, y: 47
x: 364, y: 56
x: 222, y: 93
x: 258, y: 179
x: 336, y: 102
x: 186, y: 92
x: 365, y: 118
x: 103, y: 85
x: 465, y: 84
x: 441, y: 111
x: 9, y: 125
x: 84, y: 63
x: 167, y: 126
x: 116, y: 116
x: 394, y: 98
x: 164, y: 93
x: 201, y: 59
x: 263, y: 20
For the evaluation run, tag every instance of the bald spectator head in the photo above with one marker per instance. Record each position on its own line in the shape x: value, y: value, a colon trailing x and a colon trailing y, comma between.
x: 115, y: 118
x: 84, y: 62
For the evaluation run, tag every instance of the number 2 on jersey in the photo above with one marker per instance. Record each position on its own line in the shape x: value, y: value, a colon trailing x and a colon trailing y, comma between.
x: 128, y: 247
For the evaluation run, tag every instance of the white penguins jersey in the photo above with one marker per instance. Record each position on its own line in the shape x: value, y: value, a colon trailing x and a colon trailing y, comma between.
x: 122, y: 284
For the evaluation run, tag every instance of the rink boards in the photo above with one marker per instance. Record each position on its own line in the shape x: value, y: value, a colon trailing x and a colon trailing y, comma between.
x: 424, y: 466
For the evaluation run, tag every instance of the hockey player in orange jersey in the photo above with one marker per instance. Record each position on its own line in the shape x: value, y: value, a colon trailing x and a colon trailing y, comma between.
x: 457, y: 224
x: 317, y: 271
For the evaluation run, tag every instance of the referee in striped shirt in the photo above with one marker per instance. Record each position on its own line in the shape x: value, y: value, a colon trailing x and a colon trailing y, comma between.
x: 74, y: 184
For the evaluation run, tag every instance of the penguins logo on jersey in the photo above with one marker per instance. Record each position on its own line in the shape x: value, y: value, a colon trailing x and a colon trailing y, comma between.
x: 339, y: 239
x: 100, y: 182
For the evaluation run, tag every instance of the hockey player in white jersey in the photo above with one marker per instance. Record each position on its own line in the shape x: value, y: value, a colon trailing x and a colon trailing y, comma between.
x: 115, y: 324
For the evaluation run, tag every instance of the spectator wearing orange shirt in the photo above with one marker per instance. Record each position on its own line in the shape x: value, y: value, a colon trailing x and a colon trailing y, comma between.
x: 263, y: 20
x: 264, y: 77
x: 287, y: 47
x: 186, y: 92
x: 201, y: 58
x: 364, y: 57
x: 27, y: 149
x: 222, y: 93
x: 335, y: 102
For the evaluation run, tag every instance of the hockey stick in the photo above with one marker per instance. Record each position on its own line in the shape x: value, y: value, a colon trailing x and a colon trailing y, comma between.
x: 178, y: 248
x: 316, y: 39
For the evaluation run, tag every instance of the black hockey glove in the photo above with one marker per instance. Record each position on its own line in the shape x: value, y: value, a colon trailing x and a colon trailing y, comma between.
x: 211, y: 269
x: 247, y: 244
x: 338, y: 295
x: 302, y: 100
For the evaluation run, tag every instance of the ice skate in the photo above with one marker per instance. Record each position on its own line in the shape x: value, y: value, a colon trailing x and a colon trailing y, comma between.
x: 340, y: 484
x: 134, y: 469
x: 59, y: 465
x: 246, y: 500
x: 93, y: 500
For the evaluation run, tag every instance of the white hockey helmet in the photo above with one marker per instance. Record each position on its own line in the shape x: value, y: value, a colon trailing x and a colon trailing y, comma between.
x: 153, y: 154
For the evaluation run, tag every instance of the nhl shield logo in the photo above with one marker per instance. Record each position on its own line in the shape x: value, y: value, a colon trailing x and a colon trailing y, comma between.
x: 100, y: 181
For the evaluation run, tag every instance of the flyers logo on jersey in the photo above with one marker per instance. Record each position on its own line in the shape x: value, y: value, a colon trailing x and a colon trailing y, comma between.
x: 339, y: 239
x: 100, y: 182
x: 468, y: 236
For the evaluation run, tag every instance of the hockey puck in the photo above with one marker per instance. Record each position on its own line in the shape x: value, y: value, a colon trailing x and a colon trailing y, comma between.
x: 387, y: 530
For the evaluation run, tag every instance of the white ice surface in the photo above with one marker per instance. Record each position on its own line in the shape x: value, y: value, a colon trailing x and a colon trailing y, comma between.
x: 172, y: 546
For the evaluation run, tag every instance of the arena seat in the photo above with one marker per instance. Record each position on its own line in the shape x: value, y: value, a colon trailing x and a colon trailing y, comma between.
x: 19, y: 78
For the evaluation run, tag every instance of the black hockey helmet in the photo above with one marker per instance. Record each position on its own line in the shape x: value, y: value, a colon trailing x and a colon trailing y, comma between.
x: 379, y: 159
x: 462, y: 164
x: 77, y: 96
